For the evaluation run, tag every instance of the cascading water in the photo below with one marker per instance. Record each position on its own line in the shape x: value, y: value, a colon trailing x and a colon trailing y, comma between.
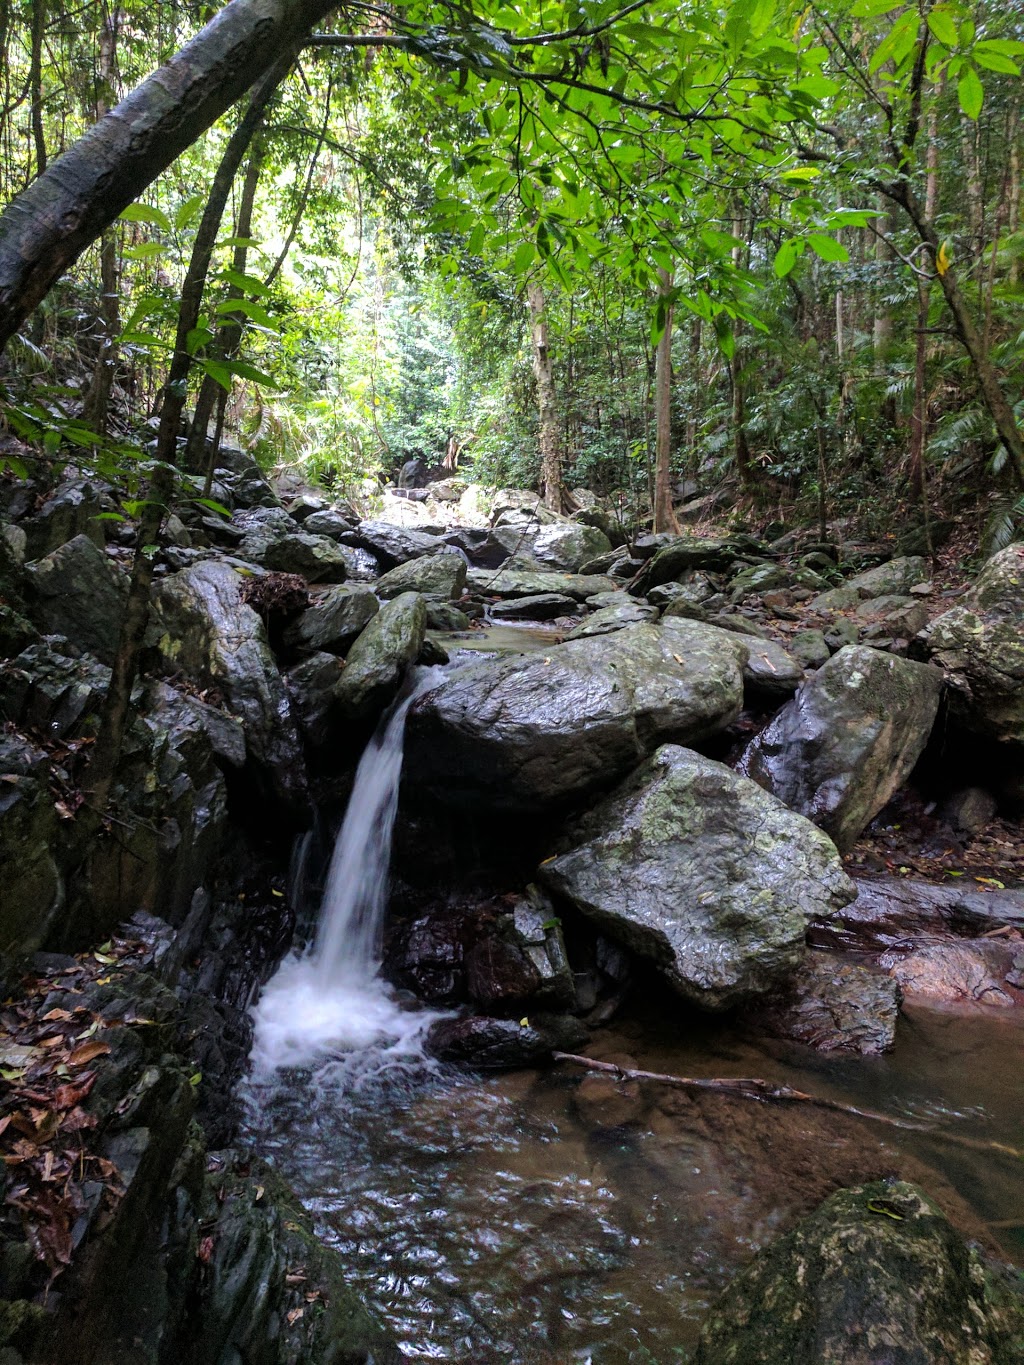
x: 330, y: 1000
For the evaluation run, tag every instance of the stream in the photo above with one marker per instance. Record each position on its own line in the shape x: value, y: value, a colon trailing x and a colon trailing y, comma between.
x: 548, y: 1216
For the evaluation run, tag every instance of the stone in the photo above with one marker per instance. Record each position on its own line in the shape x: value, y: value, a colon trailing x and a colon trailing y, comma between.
x: 69, y: 511
x: 200, y: 627
x: 392, y: 545
x: 333, y: 622
x: 511, y: 582
x: 77, y: 592
x: 311, y: 685
x: 544, y: 606
x: 844, y: 598
x: 687, y: 552
x: 704, y: 874
x: 49, y: 689
x: 438, y: 575
x: 757, y: 578
x: 969, y: 811
x: 894, y: 579
x: 30, y: 838
x: 899, y: 617
x: 317, y: 558
x: 566, y: 547
x: 808, y: 647
x: 607, y: 619
x: 964, y: 975
x: 848, y: 740
x: 834, y: 1005
x: 541, y: 729
x: 444, y: 616
x: 502, y: 1044
x: 979, y: 644
x: 840, y: 633
x: 327, y: 521
x: 301, y: 508
x: 877, y: 1274
x: 380, y: 657
x: 770, y: 672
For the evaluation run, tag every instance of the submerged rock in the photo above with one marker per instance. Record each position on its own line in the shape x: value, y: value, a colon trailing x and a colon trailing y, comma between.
x: 834, y: 1006
x: 704, y: 874
x: 537, y: 730
x: 504, y: 1044
x: 378, y: 660
x: 848, y: 740
x: 980, y: 646
x: 876, y: 1275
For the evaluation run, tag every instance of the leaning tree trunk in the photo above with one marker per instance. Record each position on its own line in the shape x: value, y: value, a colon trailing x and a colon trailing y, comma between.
x: 48, y: 226
x: 550, y: 454
x: 664, y: 515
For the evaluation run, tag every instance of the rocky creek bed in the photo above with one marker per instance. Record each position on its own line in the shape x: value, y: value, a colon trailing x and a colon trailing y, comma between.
x: 629, y: 820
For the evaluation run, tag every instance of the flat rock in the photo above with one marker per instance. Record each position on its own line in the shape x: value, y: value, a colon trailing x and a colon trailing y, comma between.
x: 441, y: 574
x: 704, y: 874
x: 607, y: 619
x: 511, y: 582
x: 545, y: 606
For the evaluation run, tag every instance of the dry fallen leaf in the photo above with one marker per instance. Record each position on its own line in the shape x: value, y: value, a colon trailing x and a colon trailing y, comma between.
x: 294, y: 1316
x: 87, y: 1052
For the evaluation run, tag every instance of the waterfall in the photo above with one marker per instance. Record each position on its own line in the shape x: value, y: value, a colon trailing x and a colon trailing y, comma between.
x: 330, y: 1000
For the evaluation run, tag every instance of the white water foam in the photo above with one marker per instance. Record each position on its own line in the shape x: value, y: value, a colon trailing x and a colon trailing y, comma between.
x: 328, y: 1007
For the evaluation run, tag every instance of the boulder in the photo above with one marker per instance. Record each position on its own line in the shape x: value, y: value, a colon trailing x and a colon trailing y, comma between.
x: 503, y: 1044
x: 894, y: 579
x: 392, y: 544
x: 70, y: 510
x: 566, y: 546
x: 334, y: 621
x: 317, y: 558
x: 704, y: 874
x: 876, y: 1275
x: 77, y: 592
x: 378, y: 660
x: 687, y: 552
x: 848, y: 740
x: 49, y: 689
x: 606, y: 619
x: 809, y: 649
x: 446, y: 617
x: 757, y: 578
x: 200, y: 627
x: 964, y: 975
x: 311, y: 685
x: 441, y: 574
x: 327, y: 521
x: 545, y: 728
x: 544, y: 606
x: 980, y: 646
x: 30, y: 836
x: 834, y: 1005
x: 511, y: 582
x: 770, y: 672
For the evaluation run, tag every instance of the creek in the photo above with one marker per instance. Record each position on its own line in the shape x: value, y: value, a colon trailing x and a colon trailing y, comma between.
x: 543, y: 1218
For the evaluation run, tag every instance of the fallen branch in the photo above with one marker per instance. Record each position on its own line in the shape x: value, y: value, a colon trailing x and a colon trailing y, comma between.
x: 754, y: 1088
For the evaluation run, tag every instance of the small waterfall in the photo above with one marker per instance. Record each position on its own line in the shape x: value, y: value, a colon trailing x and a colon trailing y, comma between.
x: 330, y: 999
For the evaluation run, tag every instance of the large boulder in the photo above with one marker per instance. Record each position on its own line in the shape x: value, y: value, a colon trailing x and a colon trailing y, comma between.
x: 563, y: 546
x: 378, y: 660
x: 334, y: 621
x: 77, y: 592
x: 441, y: 574
x: 200, y: 627
x: 848, y: 740
x: 543, y: 729
x: 876, y: 1276
x: 681, y: 553
x: 70, y: 510
x: 980, y: 646
x: 392, y: 544
x: 511, y: 582
x: 834, y: 1005
x: 890, y: 580
x: 704, y: 874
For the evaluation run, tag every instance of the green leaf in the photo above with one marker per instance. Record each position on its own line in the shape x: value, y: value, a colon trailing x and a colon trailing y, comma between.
x: 145, y: 213
x: 995, y: 61
x: 785, y: 258
x: 943, y: 26
x: 827, y: 247
x: 970, y: 92
x: 867, y: 9
x: 145, y: 251
x: 248, y: 284
x: 189, y: 211
x: 213, y: 505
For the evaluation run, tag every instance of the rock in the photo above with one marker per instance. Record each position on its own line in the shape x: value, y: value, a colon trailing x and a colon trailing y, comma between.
x: 808, y: 647
x: 757, y: 578
x: 301, y: 508
x: 334, y: 621
x: 503, y: 1044
x: 526, y: 583
x: 541, y: 729
x: 30, y: 836
x: 900, y: 617
x: 964, y: 975
x: 834, y: 1006
x: 770, y: 672
x: 970, y: 810
x: 567, y: 546
x: 607, y: 1101
x: 607, y: 619
x: 47, y: 689
x: 845, y: 598
x: 438, y: 575
x: 877, y: 1274
x: 544, y: 606
x: 848, y: 740
x: 980, y: 646
x: 311, y: 687
x: 317, y: 558
x: 392, y: 545
x: 69, y: 511
x: 687, y: 552
x: 840, y: 633
x: 379, y: 659
x: 200, y: 627
x: 890, y: 910
x: 446, y: 617
x: 79, y: 593
x: 703, y: 873
x: 506, y: 500
x: 697, y: 590
x: 327, y: 521
x: 894, y: 579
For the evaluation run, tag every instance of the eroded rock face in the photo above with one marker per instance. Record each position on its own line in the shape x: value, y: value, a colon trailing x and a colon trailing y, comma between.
x: 876, y: 1275
x: 704, y: 874
x: 834, y: 1005
x: 77, y: 592
x: 543, y: 729
x: 201, y: 627
x: 378, y: 660
x: 980, y: 646
x: 848, y: 740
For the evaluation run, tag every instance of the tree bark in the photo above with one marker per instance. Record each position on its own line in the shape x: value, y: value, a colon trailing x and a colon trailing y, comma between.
x: 48, y: 226
x: 97, y: 400
x: 550, y: 451
x: 664, y: 515
x: 36, y: 82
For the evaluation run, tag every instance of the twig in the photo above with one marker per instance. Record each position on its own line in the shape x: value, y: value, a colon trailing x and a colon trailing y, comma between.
x: 754, y: 1088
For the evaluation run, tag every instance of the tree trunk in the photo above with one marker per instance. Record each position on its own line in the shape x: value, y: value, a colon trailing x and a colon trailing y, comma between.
x: 35, y: 80
x: 550, y: 451
x: 51, y: 223
x: 97, y: 400
x: 881, y: 329
x: 664, y: 516
x: 113, y: 720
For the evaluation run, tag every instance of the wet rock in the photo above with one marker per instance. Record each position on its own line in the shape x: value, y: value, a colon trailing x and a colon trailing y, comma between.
x: 334, y: 621
x: 544, y: 606
x: 392, y: 545
x: 980, y: 646
x: 311, y: 685
x: 69, y: 511
x: 438, y: 575
x: 876, y: 1274
x: 757, y: 578
x: 379, y: 659
x: 894, y: 579
x: 446, y: 617
x: 562, y: 546
x: 848, y: 740
x: 201, y: 628
x: 970, y: 810
x: 77, y: 592
x: 696, y: 590
x: 687, y: 552
x: 33, y: 886
x: 529, y: 583
x: 503, y: 1044
x: 890, y: 911
x: 327, y: 521
x: 606, y: 619
x: 317, y: 558
x: 834, y: 1006
x: 841, y: 632
x: 898, y: 617
x: 964, y: 975
x: 50, y: 688
x: 809, y: 649
x: 542, y: 729
x: 703, y: 873
x: 770, y: 671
